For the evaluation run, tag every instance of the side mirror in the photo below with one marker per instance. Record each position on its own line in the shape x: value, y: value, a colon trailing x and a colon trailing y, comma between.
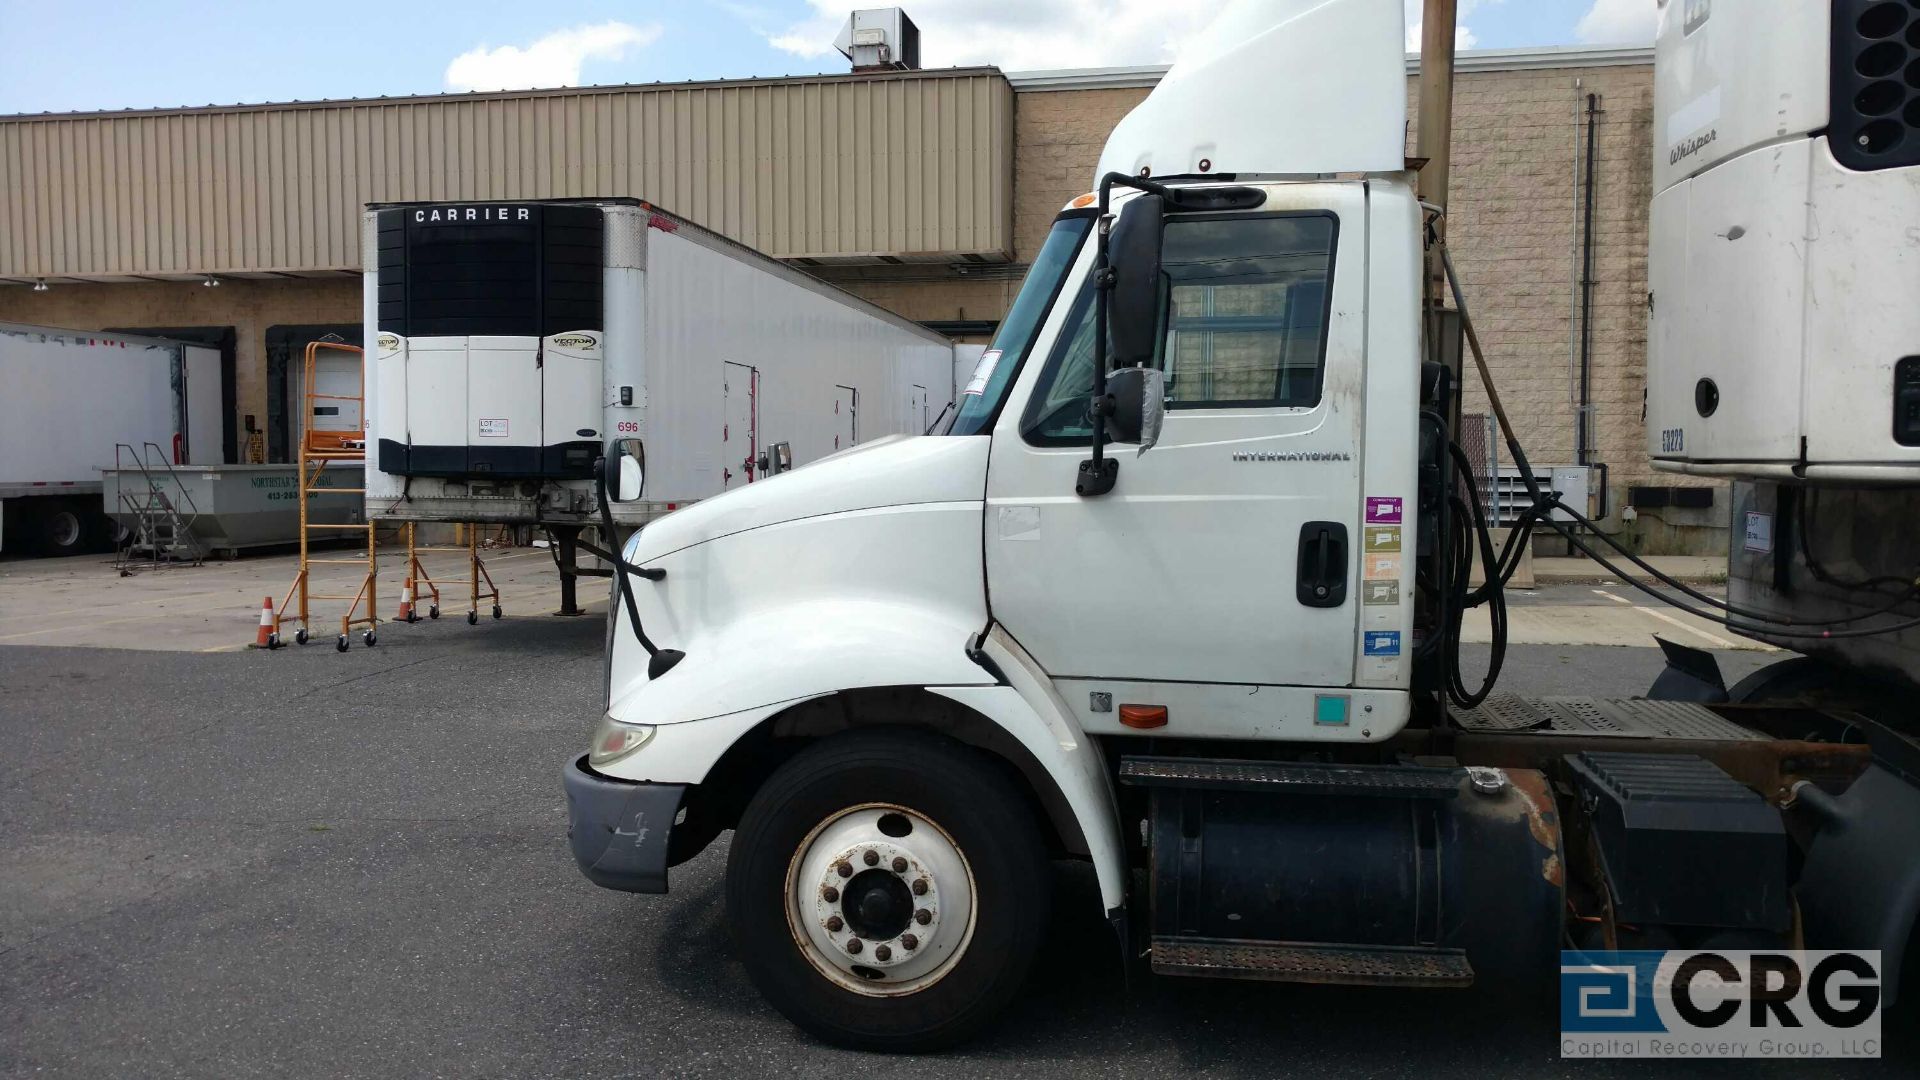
x: 625, y: 466
x: 777, y: 459
x: 1133, y: 309
x: 1139, y: 405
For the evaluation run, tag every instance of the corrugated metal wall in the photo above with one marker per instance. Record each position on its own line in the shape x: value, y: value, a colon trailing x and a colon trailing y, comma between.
x: 830, y: 168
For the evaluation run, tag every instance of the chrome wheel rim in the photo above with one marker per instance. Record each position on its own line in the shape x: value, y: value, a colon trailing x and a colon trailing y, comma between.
x: 880, y: 900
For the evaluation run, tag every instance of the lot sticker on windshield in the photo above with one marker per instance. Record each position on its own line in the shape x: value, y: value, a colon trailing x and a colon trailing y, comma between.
x: 982, y: 372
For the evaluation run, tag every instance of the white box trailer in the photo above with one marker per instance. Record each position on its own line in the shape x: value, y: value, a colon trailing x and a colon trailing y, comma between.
x: 70, y: 396
x: 513, y: 340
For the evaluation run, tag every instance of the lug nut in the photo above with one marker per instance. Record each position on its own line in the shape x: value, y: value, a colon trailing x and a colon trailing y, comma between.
x: 882, y: 953
x: 909, y: 942
x: 871, y: 858
x: 920, y: 887
x: 843, y: 869
x: 834, y: 924
x: 923, y: 916
x: 899, y: 864
x: 830, y: 894
x: 853, y: 946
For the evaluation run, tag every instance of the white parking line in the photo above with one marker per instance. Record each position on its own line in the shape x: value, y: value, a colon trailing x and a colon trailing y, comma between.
x: 1714, y: 639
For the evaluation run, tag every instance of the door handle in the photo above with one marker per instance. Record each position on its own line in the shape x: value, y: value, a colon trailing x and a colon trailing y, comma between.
x: 1322, y: 578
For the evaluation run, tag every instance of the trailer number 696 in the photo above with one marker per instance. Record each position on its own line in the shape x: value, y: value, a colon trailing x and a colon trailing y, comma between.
x: 625, y: 426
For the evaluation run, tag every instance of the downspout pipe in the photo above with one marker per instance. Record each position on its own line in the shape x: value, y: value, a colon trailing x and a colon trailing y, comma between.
x: 1583, y: 419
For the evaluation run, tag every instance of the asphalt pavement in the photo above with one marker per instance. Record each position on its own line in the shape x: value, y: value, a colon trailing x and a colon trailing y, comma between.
x: 320, y: 864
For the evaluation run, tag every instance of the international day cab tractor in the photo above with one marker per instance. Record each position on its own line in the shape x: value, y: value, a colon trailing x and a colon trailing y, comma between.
x: 1179, y: 589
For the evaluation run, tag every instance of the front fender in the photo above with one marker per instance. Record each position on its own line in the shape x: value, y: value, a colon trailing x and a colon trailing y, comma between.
x: 1029, y: 709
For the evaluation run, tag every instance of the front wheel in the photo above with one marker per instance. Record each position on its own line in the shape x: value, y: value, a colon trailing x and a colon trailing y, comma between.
x: 887, y: 889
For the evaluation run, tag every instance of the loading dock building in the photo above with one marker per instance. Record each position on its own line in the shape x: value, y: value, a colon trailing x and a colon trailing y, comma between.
x: 926, y: 191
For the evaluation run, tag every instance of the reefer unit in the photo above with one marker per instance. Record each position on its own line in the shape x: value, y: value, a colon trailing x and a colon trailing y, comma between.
x: 1784, y: 271
x: 512, y: 340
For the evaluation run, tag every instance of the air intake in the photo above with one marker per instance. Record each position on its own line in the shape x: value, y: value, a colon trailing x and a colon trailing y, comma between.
x: 1876, y: 84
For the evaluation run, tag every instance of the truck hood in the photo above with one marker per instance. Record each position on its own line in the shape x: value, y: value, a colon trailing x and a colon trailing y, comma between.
x: 899, y: 470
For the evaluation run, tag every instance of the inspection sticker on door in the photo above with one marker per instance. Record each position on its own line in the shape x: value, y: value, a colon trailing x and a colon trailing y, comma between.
x: 1383, y: 538
x: 492, y: 429
x: 1378, y: 566
x: 1759, y: 533
x: 1381, y: 643
x: 1382, y: 510
x: 1380, y: 593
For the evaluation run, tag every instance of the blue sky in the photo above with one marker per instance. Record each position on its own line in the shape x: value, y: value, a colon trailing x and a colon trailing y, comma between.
x: 108, y: 54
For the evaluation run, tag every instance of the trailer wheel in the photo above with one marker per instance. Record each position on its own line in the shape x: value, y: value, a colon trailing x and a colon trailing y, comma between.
x: 58, y: 527
x: 886, y: 890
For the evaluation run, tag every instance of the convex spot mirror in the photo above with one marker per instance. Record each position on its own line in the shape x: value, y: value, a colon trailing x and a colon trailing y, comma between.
x: 1139, y: 406
x: 625, y: 470
x: 1133, y: 307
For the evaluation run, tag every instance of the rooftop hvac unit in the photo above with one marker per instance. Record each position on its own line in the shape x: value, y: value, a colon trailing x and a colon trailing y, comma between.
x: 880, y: 39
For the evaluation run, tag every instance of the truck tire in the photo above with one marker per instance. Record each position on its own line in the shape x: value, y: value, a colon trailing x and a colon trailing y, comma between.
x: 887, y: 889
x: 59, y: 528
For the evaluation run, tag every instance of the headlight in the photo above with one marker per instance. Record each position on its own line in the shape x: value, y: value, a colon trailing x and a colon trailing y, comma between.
x: 613, y: 740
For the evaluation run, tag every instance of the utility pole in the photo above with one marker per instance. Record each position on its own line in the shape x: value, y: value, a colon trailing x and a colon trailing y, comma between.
x: 1433, y: 142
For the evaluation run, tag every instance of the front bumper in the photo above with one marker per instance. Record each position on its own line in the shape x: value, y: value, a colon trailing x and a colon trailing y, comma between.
x: 619, y: 829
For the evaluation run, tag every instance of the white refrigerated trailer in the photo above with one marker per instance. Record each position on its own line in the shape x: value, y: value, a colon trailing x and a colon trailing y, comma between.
x: 69, y: 397
x: 513, y: 340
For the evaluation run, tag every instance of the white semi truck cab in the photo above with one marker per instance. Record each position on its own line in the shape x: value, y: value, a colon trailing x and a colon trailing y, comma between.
x: 1178, y: 590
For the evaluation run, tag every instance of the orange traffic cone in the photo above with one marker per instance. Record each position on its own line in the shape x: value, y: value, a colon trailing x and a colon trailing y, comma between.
x: 406, y: 602
x: 268, y: 637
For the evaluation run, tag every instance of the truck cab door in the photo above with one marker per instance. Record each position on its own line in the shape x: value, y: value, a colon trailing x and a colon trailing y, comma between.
x: 1221, y: 577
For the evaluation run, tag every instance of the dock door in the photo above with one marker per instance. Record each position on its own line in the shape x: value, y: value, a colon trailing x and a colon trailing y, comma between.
x: 740, y: 422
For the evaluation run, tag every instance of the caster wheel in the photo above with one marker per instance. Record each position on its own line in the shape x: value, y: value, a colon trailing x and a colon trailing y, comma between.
x: 473, y: 618
x: 370, y: 638
x: 300, y: 636
x: 341, y: 644
x: 433, y: 612
x: 496, y: 611
x: 273, y: 642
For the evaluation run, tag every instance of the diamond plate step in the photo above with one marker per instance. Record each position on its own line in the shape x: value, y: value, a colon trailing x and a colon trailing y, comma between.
x: 1292, y: 777
x: 1349, y: 965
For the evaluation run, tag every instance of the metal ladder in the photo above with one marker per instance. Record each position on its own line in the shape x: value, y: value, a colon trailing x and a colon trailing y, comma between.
x: 160, y: 533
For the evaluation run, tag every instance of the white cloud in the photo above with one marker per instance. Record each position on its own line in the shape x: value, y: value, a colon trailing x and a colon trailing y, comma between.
x: 554, y: 60
x: 1620, y: 21
x: 1463, y: 35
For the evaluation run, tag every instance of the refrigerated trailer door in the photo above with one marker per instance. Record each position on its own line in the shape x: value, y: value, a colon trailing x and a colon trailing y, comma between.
x: 740, y: 423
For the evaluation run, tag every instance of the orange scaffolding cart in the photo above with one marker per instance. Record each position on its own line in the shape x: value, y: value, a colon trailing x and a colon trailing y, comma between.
x: 319, y: 448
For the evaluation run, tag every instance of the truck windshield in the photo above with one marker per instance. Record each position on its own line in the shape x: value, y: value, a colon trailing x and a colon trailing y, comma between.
x: 980, y: 398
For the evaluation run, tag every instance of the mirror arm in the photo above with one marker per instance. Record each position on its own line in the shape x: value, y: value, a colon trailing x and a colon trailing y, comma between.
x: 620, y: 564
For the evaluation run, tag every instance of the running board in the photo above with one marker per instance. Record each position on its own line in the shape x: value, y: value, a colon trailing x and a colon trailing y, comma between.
x: 1343, y: 965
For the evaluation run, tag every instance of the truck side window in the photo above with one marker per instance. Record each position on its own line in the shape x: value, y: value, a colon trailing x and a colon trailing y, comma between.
x: 1246, y: 325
